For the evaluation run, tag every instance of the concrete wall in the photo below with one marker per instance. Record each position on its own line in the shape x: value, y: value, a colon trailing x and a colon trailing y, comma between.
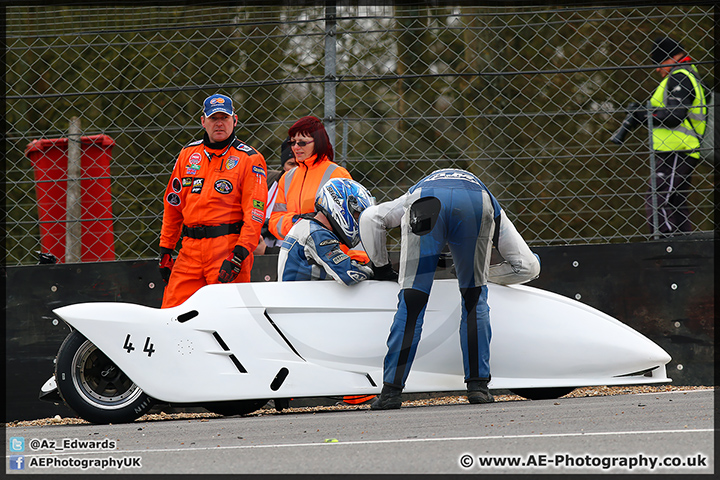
x: 663, y: 289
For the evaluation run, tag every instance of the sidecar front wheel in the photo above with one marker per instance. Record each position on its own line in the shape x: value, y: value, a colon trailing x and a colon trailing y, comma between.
x: 94, y: 387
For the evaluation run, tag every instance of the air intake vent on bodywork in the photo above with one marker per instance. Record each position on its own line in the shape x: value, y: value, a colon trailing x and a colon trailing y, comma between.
x: 282, y: 335
x: 232, y: 356
x: 279, y: 379
x: 642, y: 373
x: 187, y: 316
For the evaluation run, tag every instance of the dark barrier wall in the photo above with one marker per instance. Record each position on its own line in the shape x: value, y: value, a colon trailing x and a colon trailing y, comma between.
x: 663, y: 289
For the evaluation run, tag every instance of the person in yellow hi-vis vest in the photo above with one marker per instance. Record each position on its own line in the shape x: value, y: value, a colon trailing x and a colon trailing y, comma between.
x: 679, y: 117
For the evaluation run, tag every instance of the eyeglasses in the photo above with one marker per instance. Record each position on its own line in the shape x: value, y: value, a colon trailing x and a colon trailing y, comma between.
x: 299, y: 143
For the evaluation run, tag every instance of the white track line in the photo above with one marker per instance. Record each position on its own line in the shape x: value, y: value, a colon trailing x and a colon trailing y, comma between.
x: 375, y: 442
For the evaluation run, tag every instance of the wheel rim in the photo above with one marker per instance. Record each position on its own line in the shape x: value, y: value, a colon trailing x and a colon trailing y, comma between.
x: 100, y: 381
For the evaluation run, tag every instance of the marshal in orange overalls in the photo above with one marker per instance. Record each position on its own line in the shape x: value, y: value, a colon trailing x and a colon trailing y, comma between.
x: 215, y: 200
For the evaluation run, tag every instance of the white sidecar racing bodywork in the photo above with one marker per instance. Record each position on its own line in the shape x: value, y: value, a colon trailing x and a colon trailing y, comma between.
x: 310, y: 339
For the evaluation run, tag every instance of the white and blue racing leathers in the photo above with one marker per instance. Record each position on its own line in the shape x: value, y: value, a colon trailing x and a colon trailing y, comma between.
x: 449, y: 207
x: 312, y: 252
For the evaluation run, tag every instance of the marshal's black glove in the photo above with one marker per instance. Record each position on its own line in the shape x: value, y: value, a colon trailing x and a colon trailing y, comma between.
x: 166, y: 263
x: 230, y: 267
x: 384, y: 272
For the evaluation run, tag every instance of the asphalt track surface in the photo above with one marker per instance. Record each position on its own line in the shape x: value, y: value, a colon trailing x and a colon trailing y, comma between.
x: 636, y: 433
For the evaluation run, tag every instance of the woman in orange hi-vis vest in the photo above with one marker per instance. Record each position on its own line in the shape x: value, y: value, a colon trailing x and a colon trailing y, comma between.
x: 298, y: 187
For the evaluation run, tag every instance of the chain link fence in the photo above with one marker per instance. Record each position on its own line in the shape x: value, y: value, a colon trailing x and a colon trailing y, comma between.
x: 525, y: 97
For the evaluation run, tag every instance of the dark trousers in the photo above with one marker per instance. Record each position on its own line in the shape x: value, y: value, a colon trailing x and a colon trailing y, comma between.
x: 673, y: 185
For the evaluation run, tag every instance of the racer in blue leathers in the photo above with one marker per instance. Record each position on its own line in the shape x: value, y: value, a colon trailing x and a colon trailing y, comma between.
x: 449, y: 207
x: 311, y: 250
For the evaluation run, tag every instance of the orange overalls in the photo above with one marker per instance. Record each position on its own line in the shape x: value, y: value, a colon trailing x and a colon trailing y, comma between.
x: 296, y: 195
x: 216, y: 200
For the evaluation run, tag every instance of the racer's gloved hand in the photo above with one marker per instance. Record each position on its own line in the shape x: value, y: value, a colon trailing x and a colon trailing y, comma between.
x: 384, y: 272
x: 230, y: 267
x: 166, y: 263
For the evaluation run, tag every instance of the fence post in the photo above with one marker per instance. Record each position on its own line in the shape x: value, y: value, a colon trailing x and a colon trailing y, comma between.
x: 344, y: 142
x: 330, y: 68
x: 653, y: 175
x: 73, y: 234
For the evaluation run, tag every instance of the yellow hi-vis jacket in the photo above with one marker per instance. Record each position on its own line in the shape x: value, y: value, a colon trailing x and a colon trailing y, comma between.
x: 687, y: 135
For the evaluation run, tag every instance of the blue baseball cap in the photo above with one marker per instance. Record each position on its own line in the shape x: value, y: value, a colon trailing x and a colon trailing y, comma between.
x: 218, y: 103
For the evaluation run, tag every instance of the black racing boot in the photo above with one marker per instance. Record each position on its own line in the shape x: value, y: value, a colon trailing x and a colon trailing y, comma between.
x: 390, y: 398
x: 478, y: 392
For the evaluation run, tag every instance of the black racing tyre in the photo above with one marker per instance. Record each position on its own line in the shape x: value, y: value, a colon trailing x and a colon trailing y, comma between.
x: 235, y: 407
x: 94, y: 387
x: 542, y: 393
